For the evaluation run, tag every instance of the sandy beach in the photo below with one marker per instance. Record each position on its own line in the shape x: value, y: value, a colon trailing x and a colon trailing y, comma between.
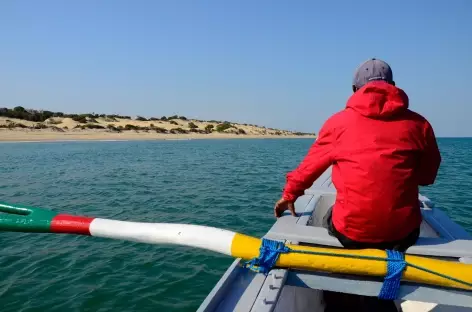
x: 106, y: 128
x: 97, y: 135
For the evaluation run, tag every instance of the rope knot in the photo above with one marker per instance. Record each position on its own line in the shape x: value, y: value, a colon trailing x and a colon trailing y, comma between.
x: 268, y: 254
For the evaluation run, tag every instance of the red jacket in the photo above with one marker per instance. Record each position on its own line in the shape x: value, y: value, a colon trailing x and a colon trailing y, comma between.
x: 380, y: 152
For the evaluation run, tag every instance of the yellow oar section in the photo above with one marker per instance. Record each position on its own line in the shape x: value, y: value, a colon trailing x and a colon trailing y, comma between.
x: 247, y: 247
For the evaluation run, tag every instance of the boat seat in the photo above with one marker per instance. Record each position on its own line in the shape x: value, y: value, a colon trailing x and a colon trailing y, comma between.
x: 451, y: 239
x: 284, y: 229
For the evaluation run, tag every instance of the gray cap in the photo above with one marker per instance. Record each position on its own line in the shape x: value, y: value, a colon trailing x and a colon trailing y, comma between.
x: 371, y: 70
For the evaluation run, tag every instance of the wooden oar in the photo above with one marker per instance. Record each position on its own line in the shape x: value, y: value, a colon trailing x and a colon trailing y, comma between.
x: 17, y: 218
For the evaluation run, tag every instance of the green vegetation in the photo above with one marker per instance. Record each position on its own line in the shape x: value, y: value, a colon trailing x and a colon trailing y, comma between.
x: 209, y: 128
x: 112, y: 127
x: 173, y: 122
x: 178, y: 130
x: 302, y: 133
x: 160, y: 130
x: 129, y: 127
x: 175, y: 117
x: 12, y: 125
x: 223, y: 126
x: 139, y: 118
x: 110, y: 119
x: 191, y: 125
x: 20, y: 112
x: 39, y: 126
x: 80, y: 118
x: 116, y: 117
x: 89, y: 126
x: 54, y: 128
x: 132, y: 127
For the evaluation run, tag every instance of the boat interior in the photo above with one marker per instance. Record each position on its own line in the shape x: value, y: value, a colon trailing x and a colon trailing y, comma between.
x: 283, y: 290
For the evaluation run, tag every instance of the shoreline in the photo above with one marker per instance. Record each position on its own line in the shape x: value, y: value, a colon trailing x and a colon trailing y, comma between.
x: 37, y: 136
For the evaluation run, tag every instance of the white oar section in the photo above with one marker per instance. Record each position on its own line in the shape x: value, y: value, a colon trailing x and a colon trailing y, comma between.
x: 199, y: 236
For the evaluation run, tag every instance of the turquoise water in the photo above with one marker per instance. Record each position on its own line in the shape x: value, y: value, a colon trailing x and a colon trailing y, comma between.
x: 224, y: 183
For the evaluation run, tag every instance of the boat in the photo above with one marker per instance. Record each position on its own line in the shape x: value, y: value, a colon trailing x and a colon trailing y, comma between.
x: 288, y: 290
x: 297, y: 262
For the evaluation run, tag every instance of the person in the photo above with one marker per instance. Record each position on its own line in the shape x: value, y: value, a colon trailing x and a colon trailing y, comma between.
x: 380, y: 152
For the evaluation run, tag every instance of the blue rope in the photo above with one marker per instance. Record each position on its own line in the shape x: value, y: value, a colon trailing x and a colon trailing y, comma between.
x: 395, y: 266
x: 268, y: 254
x: 270, y: 250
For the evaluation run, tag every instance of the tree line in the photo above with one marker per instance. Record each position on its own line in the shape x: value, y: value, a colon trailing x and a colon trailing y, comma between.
x: 20, y: 112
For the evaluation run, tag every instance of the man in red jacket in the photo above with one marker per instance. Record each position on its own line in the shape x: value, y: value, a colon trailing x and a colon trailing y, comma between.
x: 380, y: 153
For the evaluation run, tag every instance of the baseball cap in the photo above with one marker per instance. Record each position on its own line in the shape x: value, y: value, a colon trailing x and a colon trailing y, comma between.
x: 370, y: 70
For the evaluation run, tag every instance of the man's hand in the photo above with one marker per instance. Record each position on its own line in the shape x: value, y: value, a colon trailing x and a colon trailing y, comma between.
x: 283, y: 205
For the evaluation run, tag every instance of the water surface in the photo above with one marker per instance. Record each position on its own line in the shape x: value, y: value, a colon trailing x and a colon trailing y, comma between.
x: 224, y: 183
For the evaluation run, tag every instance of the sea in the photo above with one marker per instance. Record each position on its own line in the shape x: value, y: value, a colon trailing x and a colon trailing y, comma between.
x: 230, y: 184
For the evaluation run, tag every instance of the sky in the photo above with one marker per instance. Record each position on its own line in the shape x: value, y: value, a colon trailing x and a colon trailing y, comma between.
x: 281, y: 64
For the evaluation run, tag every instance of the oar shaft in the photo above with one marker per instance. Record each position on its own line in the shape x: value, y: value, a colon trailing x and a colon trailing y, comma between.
x: 209, y: 238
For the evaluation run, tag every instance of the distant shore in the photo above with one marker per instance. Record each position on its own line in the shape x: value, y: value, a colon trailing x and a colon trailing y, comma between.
x: 20, y: 125
x: 46, y: 135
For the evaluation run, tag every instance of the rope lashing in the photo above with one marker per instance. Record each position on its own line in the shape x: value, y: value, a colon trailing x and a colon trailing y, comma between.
x: 395, y: 266
x: 270, y: 250
x: 268, y: 254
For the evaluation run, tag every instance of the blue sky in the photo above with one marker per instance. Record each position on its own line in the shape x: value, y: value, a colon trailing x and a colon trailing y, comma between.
x: 285, y: 64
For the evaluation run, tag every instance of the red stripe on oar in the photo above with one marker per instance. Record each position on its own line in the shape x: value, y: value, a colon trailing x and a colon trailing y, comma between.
x: 63, y: 223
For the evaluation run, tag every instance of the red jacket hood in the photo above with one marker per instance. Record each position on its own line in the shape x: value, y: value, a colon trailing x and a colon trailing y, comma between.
x: 378, y: 100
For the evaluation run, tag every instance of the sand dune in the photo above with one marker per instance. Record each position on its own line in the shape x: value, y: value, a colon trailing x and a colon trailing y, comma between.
x: 106, y: 128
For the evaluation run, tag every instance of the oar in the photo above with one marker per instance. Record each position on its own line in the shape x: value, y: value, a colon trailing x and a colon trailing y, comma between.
x: 17, y: 218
